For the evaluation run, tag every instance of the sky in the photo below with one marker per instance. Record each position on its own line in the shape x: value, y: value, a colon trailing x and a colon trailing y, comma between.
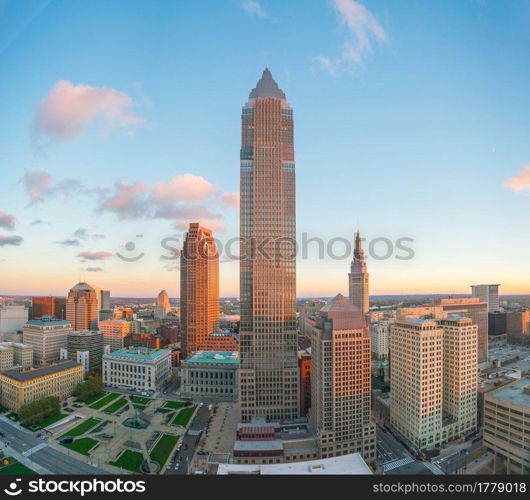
x: 120, y: 124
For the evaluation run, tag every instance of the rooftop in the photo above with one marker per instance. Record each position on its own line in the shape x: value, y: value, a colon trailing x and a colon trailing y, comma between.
x: 137, y: 353
x: 215, y: 357
x: 40, y: 372
x: 48, y: 321
x: 517, y: 393
x: 266, y: 87
x: 346, y: 464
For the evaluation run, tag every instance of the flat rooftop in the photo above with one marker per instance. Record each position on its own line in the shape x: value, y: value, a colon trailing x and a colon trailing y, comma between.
x: 40, y: 372
x: 47, y: 321
x: 215, y: 357
x: 137, y: 353
x: 352, y: 464
x: 514, y: 393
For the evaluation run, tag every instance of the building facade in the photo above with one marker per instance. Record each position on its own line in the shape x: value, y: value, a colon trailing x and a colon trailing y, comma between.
x: 506, y: 422
x: 15, y: 354
x: 13, y: 317
x: 268, y: 336
x: 518, y: 327
x: 139, y: 368
x: 114, y: 332
x: 211, y: 375
x: 488, y: 294
x: 199, y: 288
x: 358, y: 277
x: 46, y: 336
x: 304, y: 368
x: 341, y: 381
x: 477, y: 310
x: 86, y: 341
x: 42, y: 306
x: 380, y: 334
x: 22, y: 387
x: 82, y: 307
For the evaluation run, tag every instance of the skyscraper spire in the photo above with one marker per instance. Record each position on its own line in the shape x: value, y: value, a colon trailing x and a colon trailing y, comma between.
x: 358, y: 277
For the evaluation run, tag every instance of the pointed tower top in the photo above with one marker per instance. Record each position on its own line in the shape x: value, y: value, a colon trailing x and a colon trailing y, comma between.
x: 266, y: 87
x: 358, y: 264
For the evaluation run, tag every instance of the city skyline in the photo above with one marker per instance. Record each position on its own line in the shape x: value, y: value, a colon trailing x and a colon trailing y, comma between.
x: 100, y: 140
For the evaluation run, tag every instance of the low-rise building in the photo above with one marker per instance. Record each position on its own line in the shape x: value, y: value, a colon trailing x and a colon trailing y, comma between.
x: 139, y: 368
x: 46, y: 336
x: 18, y: 388
x: 210, y: 374
x: 346, y: 464
x: 506, y: 421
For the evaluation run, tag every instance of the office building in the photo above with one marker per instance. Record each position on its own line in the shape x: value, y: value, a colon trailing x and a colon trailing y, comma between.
x: 506, y: 422
x: 114, y: 332
x: 496, y: 323
x: 304, y: 369
x: 210, y: 374
x: 42, y: 306
x: 488, y: 294
x: 18, y: 388
x: 268, y: 337
x: 46, y: 336
x: 477, y: 310
x: 138, y: 368
x: 105, y: 300
x: 15, y: 354
x: 199, y: 288
x: 307, y: 310
x: 518, y: 327
x: 82, y: 307
x: 434, y: 379
x: 358, y: 278
x: 90, y: 341
x: 162, y: 306
x: 380, y: 334
x: 341, y: 381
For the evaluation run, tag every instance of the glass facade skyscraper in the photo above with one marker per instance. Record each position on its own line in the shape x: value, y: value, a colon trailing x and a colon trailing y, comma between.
x: 269, y: 365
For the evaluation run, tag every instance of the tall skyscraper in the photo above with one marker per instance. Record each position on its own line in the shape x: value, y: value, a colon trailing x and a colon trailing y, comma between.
x: 269, y: 361
x: 358, y: 278
x: 341, y: 381
x: 488, y: 294
x: 82, y: 307
x: 162, y: 305
x: 199, y: 288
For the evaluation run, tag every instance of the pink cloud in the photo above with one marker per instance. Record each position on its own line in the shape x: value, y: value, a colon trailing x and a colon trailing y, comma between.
x: 231, y: 199
x: 7, y: 220
x: 68, y: 109
x: 128, y: 200
x: 185, y: 187
x: 520, y: 182
x: 89, y: 255
x: 10, y: 240
x: 40, y: 185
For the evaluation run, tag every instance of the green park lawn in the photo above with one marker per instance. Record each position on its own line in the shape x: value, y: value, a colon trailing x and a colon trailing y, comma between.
x: 183, y: 416
x: 116, y: 405
x: 92, y: 399
x: 141, y: 401
x: 16, y: 468
x: 174, y: 404
x: 163, y: 448
x: 129, y: 460
x: 100, y: 403
x: 83, y: 427
x: 82, y: 445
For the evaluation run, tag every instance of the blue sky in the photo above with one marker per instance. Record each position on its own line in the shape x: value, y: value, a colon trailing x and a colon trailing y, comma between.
x: 409, y: 118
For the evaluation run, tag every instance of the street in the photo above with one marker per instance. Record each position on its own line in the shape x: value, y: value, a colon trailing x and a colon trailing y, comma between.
x: 43, y: 455
x: 189, y: 443
x: 388, y: 448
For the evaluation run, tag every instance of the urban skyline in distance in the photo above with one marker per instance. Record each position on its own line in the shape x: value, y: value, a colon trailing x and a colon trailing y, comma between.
x: 367, y: 143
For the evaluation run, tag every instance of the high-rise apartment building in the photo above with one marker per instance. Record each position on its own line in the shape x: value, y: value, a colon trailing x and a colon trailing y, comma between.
x: 434, y: 379
x: 268, y: 338
x: 477, y: 310
x: 341, y: 381
x: 114, y: 332
x: 358, y: 278
x: 47, y: 336
x: 199, y: 288
x: 82, y: 307
x: 488, y: 294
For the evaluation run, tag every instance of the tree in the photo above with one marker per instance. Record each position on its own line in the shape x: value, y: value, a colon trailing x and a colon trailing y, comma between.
x: 92, y: 386
x: 36, y: 412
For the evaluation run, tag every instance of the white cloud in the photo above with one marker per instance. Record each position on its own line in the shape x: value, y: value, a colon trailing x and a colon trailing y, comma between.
x: 254, y: 9
x: 362, y: 30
